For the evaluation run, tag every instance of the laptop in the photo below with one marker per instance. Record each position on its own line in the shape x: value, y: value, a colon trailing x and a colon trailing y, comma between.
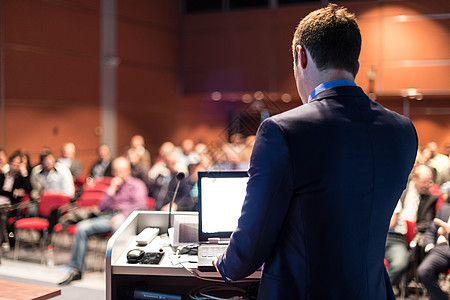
x: 220, y: 198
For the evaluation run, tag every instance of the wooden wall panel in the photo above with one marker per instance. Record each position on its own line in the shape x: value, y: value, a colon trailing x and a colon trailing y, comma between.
x: 150, y: 46
x: 147, y: 85
x: 429, y: 79
x: 54, y: 26
x: 32, y: 127
x: 52, y: 76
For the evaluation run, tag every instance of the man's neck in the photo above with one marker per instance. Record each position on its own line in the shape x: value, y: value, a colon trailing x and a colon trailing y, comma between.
x: 326, y: 76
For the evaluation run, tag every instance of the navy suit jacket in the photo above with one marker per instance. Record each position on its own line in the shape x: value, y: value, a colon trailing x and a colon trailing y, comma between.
x: 324, y: 180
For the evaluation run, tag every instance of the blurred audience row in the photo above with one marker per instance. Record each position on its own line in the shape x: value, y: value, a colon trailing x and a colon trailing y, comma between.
x: 415, y: 250
x: 425, y: 193
x: 21, y: 184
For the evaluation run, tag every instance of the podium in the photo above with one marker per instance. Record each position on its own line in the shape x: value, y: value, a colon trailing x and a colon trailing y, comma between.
x: 175, y: 275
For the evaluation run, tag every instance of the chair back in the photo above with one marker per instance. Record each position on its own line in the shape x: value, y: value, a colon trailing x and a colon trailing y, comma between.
x: 51, y: 200
x: 411, y: 231
x: 90, y: 198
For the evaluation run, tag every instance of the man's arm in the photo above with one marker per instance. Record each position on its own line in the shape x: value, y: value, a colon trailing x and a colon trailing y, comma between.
x: 394, y: 219
x: 36, y: 183
x: 444, y: 225
x: 432, y: 232
x: 269, y: 193
x: 67, y: 185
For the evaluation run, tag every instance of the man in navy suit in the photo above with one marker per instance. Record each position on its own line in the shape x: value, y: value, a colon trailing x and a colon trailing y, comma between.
x: 324, y: 178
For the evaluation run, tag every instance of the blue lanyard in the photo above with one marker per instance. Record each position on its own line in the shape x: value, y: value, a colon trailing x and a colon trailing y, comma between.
x: 328, y: 85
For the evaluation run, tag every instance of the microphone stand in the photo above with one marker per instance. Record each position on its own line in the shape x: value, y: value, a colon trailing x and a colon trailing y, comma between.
x: 180, y: 176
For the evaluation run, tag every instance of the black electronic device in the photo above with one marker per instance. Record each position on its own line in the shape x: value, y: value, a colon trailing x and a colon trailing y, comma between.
x: 135, y: 255
x: 189, y: 250
x: 152, y: 258
x: 180, y: 176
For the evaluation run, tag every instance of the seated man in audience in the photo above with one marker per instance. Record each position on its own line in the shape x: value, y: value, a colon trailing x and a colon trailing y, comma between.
x: 188, y: 155
x: 159, y: 166
x: 68, y: 159
x: 102, y: 166
x: 49, y: 176
x: 163, y: 187
x: 437, y: 160
x: 437, y: 260
x: 443, y: 176
x: 415, y: 205
x: 124, y: 195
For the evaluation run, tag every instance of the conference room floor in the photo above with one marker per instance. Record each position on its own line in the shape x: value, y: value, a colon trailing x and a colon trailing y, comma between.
x: 28, y: 269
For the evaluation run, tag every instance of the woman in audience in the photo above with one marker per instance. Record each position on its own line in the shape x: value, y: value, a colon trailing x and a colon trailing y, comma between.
x: 13, y: 187
x: 3, y: 161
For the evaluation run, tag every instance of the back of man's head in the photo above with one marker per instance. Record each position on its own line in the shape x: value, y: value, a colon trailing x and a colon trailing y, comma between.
x: 332, y: 37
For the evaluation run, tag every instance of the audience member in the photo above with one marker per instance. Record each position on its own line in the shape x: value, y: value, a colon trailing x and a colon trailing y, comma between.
x: 221, y: 160
x: 13, y: 187
x: 138, y: 142
x: 415, y: 205
x: 200, y: 148
x: 138, y: 169
x: 445, y: 190
x: 447, y: 150
x: 437, y: 160
x: 159, y: 167
x: 188, y: 156
x: 124, y: 195
x: 102, y: 166
x: 443, y: 176
x: 437, y: 260
x: 237, y: 142
x: 68, y: 152
x: 25, y: 166
x: 4, y: 167
x: 163, y: 187
x: 49, y: 176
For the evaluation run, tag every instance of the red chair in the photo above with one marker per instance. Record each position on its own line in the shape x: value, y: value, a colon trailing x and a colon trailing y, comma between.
x: 151, y: 202
x: 21, y: 210
x: 48, y: 202
x: 410, y: 231
x: 435, y: 190
x: 97, y: 184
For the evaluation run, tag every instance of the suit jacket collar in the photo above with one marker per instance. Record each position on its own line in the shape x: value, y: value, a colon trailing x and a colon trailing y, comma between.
x: 351, y: 91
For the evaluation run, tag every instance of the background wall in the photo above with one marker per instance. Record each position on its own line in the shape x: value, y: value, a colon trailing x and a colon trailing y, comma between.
x: 171, y: 65
x: 405, y: 45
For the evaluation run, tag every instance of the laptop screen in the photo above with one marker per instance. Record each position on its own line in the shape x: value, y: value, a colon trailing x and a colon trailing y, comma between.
x: 220, y: 199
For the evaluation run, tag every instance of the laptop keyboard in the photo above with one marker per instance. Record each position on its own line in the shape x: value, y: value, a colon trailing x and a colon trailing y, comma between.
x: 211, y: 251
x: 206, y: 254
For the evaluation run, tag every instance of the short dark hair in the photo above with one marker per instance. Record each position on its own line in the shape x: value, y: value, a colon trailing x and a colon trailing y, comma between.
x: 44, y: 153
x: 15, y: 154
x: 332, y: 37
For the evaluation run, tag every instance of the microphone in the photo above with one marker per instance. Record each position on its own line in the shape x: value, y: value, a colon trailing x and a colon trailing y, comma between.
x: 180, y: 176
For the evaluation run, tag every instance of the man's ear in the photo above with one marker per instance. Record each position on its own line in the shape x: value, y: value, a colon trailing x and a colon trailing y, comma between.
x: 302, y: 56
x: 357, y: 69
